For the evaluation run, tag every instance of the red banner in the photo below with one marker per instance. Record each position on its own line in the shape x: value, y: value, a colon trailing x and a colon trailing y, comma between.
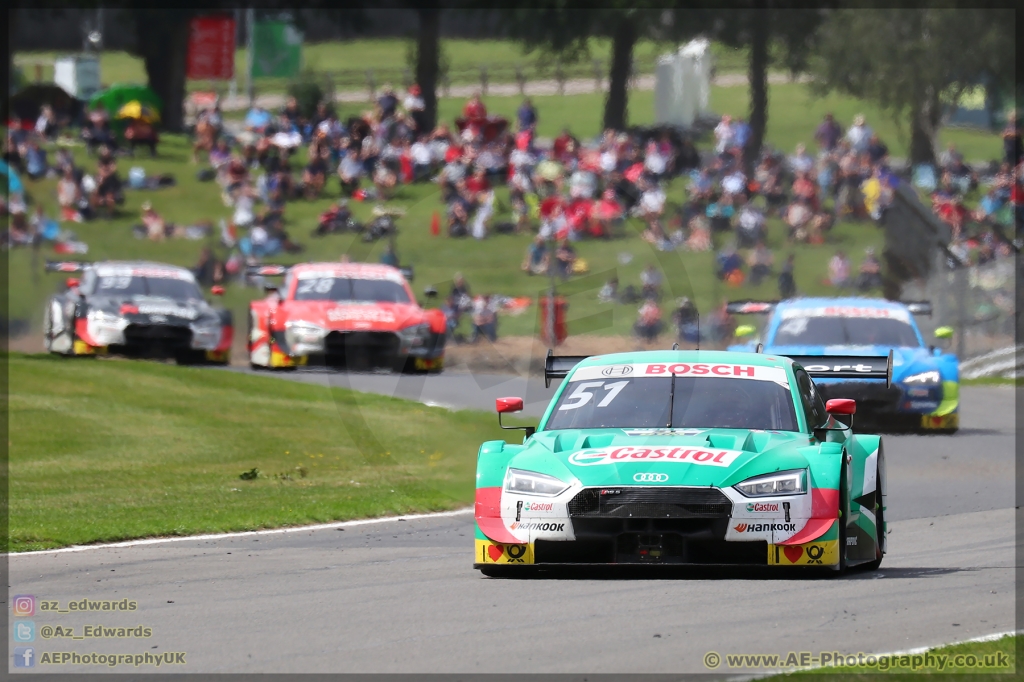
x: 211, y: 48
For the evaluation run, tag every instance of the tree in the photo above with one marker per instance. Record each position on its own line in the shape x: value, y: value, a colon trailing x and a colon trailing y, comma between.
x: 162, y: 42
x: 428, y: 37
x: 911, y: 61
x: 564, y: 28
x: 760, y: 26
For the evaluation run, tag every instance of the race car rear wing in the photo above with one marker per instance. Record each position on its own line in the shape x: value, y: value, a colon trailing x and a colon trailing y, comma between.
x: 559, y: 366
x: 65, y: 266
x: 919, y: 307
x: 847, y: 366
x: 749, y: 307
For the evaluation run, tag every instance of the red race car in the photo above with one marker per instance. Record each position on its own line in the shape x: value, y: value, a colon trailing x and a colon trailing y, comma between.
x: 354, y: 315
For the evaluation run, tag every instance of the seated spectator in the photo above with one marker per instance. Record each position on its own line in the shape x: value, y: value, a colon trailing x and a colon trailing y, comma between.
x: 798, y: 217
x: 876, y: 150
x: 724, y: 135
x: 687, y: 321
x: 350, y: 172
x: 291, y: 115
x: 315, y: 174
x: 209, y: 270
x: 154, y: 224
x: 648, y: 323
x: 46, y: 124
x: 208, y: 128
x: 730, y: 266
x: 760, y: 261
x: 650, y: 281
x: 108, y: 193
x: 422, y: 161
x: 141, y: 132
x: 96, y: 132
x: 787, y: 283
x: 73, y: 203
x: 804, y: 188
x: 801, y: 162
x: 387, y: 103
x: 258, y: 120
x: 36, y: 166
x: 1013, y: 148
x: 839, y: 270
x: 741, y: 133
x: 565, y: 259
x: 688, y: 157
x: 869, y: 275
x: 485, y: 318
x: 720, y: 212
x: 609, y: 293
x: 389, y: 257
x: 751, y: 226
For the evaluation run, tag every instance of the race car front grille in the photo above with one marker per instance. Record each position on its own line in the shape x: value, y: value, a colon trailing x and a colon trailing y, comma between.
x: 157, y: 338
x: 664, y: 502
x: 358, y: 350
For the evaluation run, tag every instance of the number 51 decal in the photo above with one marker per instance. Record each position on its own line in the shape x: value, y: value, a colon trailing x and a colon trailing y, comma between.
x: 582, y: 396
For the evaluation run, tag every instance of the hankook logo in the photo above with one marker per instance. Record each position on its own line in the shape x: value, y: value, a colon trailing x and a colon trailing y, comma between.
x: 617, y: 371
x: 650, y: 478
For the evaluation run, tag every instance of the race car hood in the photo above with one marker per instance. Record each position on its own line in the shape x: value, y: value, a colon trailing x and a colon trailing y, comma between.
x: 337, y: 316
x: 688, y: 457
x: 141, y: 308
x: 906, y: 360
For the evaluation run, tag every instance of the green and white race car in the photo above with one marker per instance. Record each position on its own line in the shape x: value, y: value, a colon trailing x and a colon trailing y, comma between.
x: 685, y: 457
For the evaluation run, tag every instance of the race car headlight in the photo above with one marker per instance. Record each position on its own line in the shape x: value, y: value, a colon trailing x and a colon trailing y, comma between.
x: 415, y: 335
x: 304, y: 336
x: 530, y: 483
x: 106, y: 328
x: 924, y: 378
x: 782, y: 483
x: 206, y: 333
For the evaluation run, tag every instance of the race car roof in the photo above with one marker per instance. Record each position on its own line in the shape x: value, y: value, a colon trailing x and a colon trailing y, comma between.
x: 143, y: 268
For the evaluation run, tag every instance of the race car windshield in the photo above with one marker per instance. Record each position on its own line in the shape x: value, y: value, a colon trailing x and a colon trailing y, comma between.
x: 699, y: 402
x: 845, y: 331
x: 345, y: 289
x: 164, y: 287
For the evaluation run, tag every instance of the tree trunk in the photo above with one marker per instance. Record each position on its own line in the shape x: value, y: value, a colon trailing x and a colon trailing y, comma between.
x: 427, y: 57
x: 615, y: 106
x: 163, y: 45
x: 924, y: 130
x: 12, y: 18
x: 758, y: 76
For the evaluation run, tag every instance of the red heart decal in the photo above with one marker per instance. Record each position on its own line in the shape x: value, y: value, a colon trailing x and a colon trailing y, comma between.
x: 495, y: 551
x: 793, y: 552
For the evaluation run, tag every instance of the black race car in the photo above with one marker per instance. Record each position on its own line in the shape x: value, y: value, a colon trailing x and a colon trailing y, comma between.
x: 137, y: 309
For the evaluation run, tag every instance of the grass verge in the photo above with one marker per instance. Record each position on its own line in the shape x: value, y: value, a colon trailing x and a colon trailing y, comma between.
x: 988, y: 660
x: 111, y: 450
x: 993, y: 381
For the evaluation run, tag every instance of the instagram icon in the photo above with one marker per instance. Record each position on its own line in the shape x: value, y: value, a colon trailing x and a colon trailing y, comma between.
x: 24, y: 605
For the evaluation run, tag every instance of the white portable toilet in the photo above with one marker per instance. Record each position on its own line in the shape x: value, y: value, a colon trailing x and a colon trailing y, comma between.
x: 682, y: 87
x: 78, y: 75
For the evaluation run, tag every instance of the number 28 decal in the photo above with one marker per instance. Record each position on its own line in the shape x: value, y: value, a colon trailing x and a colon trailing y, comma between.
x: 582, y: 395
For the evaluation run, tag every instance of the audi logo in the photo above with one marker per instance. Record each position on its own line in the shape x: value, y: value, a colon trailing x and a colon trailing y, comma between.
x: 617, y: 370
x: 650, y: 478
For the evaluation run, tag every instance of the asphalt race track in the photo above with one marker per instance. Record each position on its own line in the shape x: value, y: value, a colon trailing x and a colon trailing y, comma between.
x: 401, y: 596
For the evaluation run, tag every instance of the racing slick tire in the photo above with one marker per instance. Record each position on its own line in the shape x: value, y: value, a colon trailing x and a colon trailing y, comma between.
x: 879, y: 526
x: 49, y: 337
x: 844, y: 515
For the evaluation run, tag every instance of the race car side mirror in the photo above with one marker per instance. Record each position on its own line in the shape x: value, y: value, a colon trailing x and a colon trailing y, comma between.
x: 745, y: 330
x: 843, y: 406
x: 505, y: 405
x: 217, y: 290
x: 944, y: 333
x: 72, y: 282
x: 508, y: 405
x: 269, y: 289
x: 430, y: 292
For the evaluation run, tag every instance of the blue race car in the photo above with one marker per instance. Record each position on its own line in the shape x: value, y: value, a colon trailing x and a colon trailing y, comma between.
x: 925, y: 390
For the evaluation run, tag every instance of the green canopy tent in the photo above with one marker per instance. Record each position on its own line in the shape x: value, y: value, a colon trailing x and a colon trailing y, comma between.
x: 120, y: 94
